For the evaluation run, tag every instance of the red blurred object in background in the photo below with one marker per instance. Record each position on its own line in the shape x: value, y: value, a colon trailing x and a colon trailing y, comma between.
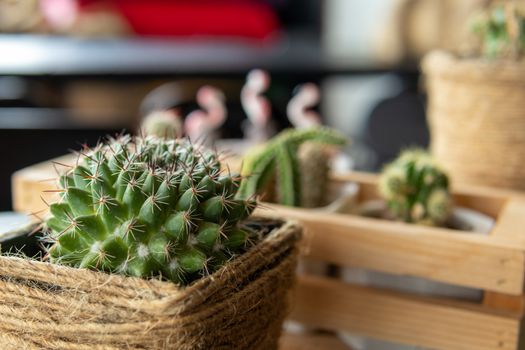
x: 249, y: 19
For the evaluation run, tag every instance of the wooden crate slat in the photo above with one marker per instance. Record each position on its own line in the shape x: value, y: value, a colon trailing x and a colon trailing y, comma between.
x: 509, y: 227
x: 511, y: 223
x: 308, y: 341
x: 504, y: 301
x: 419, y: 321
x: 437, y: 254
x: 29, y: 184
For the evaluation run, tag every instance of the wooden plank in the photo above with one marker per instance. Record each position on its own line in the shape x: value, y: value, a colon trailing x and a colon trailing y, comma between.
x: 511, y: 222
x: 311, y: 341
x: 419, y: 321
x: 509, y: 227
x: 501, y: 301
x: 438, y: 254
x: 29, y: 185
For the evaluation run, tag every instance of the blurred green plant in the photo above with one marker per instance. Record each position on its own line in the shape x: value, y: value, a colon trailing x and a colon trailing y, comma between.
x: 416, y: 189
x: 501, y: 30
x: 277, y: 167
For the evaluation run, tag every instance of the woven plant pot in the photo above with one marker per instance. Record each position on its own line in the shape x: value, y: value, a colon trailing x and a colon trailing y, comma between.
x: 241, y: 306
x: 477, y: 119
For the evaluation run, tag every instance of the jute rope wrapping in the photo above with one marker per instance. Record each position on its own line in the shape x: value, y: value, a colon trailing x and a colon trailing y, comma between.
x: 476, y: 114
x: 241, y: 306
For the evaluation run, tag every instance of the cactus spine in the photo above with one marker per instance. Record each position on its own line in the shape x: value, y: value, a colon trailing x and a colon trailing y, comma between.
x: 278, y: 160
x: 149, y: 207
x: 416, y: 188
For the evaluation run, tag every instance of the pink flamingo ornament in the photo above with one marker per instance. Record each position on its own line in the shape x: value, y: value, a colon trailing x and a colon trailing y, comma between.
x: 200, y: 124
x: 257, y: 107
x: 298, y: 109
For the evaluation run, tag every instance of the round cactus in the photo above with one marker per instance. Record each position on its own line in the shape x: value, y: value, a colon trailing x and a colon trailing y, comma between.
x: 149, y: 207
x: 163, y: 124
x: 416, y: 188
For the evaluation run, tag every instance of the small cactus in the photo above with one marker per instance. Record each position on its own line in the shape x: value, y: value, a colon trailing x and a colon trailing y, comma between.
x: 149, y: 207
x: 501, y: 30
x: 278, y: 160
x: 164, y: 124
x: 416, y: 189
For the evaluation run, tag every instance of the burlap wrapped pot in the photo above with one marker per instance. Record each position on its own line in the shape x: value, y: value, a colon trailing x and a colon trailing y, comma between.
x: 241, y: 306
x: 476, y: 114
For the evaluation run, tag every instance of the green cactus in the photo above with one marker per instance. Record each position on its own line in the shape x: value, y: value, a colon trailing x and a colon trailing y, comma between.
x: 149, y: 207
x: 501, y: 30
x: 163, y: 124
x: 416, y: 188
x: 278, y: 160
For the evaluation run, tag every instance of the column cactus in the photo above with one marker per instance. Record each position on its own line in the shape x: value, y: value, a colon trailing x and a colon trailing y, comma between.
x: 277, y: 162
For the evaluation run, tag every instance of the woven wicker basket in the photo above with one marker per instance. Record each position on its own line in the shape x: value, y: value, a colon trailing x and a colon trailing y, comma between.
x: 476, y: 115
x: 241, y: 306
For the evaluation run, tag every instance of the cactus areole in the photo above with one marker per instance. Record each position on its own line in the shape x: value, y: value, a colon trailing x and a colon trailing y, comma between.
x: 149, y: 207
x: 416, y: 189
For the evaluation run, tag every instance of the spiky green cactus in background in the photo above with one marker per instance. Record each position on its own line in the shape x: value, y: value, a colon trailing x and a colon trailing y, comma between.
x: 163, y: 124
x: 502, y: 30
x: 416, y: 188
x: 149, y: 207
x: 278, y: 160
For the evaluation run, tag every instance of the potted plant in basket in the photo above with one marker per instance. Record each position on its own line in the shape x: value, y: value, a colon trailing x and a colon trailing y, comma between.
x: 475, y: 108
x: 149, y: 247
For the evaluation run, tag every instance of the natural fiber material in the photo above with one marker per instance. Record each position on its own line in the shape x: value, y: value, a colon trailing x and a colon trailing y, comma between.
x: 241, y: 306
x: 477, y: 119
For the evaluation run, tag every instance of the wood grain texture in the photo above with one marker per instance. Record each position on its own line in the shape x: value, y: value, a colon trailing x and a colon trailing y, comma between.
x: 443, y: 255
x: 29, y: 185
x: 427, y: 322
x: 311, y: 341
x: 509, y: 227
x: 499, y: 301
x: 511, y: 223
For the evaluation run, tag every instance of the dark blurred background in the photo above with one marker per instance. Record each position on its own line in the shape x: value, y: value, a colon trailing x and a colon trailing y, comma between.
x: 72, y: 72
